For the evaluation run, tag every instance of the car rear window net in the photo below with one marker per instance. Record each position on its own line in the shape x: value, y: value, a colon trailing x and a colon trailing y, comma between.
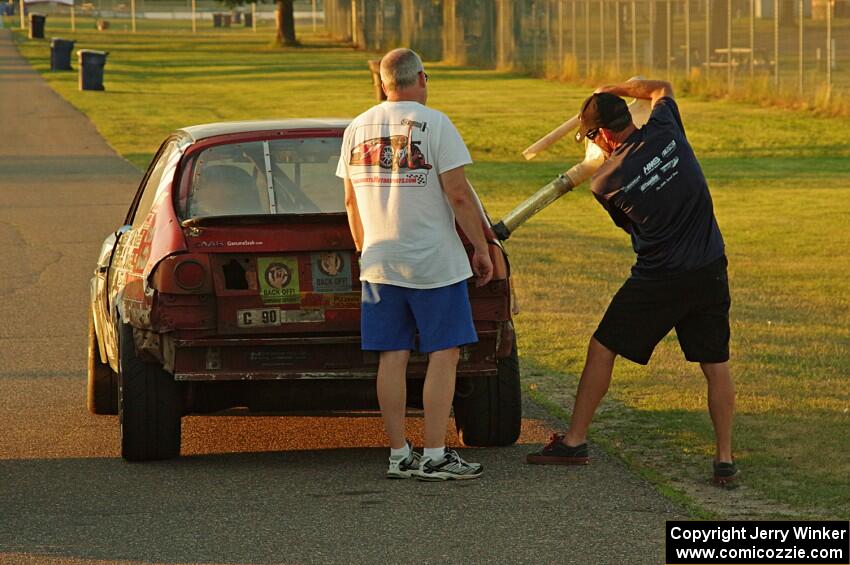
x: 284, y: 176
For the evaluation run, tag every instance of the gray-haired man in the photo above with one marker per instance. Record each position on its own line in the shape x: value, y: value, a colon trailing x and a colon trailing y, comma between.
x: 402, y: 164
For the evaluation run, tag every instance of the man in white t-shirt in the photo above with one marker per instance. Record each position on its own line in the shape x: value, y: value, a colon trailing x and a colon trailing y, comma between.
x: 402, y: 165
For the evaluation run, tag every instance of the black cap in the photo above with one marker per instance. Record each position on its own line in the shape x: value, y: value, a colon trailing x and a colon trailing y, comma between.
x: 603, y: 110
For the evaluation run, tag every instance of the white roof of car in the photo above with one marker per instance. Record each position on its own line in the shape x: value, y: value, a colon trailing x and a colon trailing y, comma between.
x: 204, y: 131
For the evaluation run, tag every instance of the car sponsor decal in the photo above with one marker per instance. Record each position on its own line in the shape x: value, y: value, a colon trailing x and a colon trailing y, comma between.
x: 667, y: 180
x: 653, y: 180
x: 632, y: 184
x: 649, y: 167
x: 669, y: 149
x: 331, y: 271
x: 671, y: 164
x: 279, y: 282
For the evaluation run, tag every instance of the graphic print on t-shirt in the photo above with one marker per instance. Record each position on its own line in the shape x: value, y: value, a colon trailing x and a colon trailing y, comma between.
x: 389, y: 155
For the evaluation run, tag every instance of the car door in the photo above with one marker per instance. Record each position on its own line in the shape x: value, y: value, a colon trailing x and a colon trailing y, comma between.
x: 114, y: 262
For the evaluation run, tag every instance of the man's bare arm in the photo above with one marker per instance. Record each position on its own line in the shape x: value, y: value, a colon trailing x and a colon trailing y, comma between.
x: 355, y: 224
x: 467, y: 212
x: 653, y: 90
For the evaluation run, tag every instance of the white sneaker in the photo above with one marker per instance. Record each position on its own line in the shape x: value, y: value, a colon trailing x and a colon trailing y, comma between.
x: 403, y: 467
x: 451, y: 468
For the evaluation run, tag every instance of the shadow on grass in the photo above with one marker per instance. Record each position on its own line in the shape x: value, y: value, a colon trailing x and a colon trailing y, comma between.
x: 781, y: 476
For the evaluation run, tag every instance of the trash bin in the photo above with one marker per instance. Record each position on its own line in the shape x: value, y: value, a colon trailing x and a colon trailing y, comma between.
x: 60, y: 54
x: 216, y: 20
x: 249, y: 19
x: 225, y: 20
x: 91, y: 68
x: 37, y: 26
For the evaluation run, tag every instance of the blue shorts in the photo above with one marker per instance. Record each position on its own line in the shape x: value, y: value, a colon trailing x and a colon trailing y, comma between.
x: 391, y: 315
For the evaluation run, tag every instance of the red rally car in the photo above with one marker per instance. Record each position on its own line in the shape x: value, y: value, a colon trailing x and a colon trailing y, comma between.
x: 233, y: 283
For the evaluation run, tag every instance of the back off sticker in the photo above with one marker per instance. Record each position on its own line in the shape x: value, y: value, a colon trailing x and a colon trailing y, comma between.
x: 331, y: 271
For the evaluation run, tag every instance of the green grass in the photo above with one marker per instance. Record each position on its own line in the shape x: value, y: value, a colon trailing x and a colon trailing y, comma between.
x: 781, y: 186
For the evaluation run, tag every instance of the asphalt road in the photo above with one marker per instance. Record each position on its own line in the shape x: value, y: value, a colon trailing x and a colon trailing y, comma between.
x: 249, y: 489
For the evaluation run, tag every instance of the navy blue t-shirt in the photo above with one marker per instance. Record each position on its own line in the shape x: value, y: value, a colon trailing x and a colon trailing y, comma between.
x: 653, y: 187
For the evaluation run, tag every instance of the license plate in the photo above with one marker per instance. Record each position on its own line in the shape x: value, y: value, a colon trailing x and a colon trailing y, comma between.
x: 266, y: 317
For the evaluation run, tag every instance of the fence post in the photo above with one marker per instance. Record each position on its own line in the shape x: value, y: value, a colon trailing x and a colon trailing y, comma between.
x: 708, y: 38
x: 729, y: 77
x: 354, y: 22
x: 687, y: 38
x: 829, y: 6
x: 561, y: 36
x: 602, y: 33
x: 23, y: 19
x: 587, y: 37
x: 651, y: 36
x: 634, y: 37
x: 669, y: 32
x: 254, y: 17
x: 133, y: 15
x: 800, y: 48
x: 776, y: 43
x: 752, y: 38
x: 194, y: 17
x: 574, y: 37
x: 617, y: 33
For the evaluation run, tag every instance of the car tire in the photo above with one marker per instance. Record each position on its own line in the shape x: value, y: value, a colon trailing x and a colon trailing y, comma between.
x: 491, y: 413
x: 150, y: 405
x: 102, y: 381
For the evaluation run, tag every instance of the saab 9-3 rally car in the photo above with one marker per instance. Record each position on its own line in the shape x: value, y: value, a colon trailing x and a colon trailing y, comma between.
x: 233, y: 283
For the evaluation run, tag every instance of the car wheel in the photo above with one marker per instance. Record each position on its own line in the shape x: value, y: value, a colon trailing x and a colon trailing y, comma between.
x: 491, y: 413
x: 150, y: 405
x: 102, y: 385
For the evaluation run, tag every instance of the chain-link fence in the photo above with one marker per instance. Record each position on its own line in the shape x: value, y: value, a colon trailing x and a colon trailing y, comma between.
x: 800, y: 47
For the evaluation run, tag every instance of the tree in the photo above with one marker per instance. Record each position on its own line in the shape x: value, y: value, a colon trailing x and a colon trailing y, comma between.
x: 284, y: 17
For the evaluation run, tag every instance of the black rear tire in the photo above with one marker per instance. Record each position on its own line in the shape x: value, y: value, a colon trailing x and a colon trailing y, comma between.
x: 102, y: 382
x: 150, y: 406
x: 491, y: 414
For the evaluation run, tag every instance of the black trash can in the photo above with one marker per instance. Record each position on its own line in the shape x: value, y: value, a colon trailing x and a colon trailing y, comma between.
x: 216, y: 20
x: 91, y: 68
x: 60, y: 54
x: 37, y: 26
x: 248, y: 19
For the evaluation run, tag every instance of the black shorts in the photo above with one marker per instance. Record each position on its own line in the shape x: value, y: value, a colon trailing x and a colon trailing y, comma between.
x: 645, y: 310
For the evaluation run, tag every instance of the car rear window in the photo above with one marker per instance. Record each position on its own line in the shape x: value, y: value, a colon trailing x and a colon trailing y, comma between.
x: 282, y: 176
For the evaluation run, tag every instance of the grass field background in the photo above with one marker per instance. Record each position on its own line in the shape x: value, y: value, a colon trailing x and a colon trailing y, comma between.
x: 781, y: 187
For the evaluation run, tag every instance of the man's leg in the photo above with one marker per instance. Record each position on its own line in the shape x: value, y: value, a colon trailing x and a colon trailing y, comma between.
x: 721, y: 406
x: 437, y: 394
x: 392, y: 394
x: 593, y: 385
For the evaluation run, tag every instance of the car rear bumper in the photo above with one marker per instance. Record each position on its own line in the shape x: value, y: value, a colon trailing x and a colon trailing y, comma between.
x: 311, y: 358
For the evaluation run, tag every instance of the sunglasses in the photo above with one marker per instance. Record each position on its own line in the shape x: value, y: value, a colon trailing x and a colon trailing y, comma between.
x: 591, y: 135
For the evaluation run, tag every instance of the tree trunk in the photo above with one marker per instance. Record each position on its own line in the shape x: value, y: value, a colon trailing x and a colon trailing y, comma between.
x: 285, y: 23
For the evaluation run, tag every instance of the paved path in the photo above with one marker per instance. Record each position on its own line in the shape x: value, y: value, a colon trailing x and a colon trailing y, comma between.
x: 248, y: 490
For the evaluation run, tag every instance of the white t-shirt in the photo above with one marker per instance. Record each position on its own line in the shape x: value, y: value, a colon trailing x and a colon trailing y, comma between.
x: 394, y: 154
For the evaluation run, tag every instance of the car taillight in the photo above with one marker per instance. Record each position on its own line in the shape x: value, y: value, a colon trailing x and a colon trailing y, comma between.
x: 189, y: 275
